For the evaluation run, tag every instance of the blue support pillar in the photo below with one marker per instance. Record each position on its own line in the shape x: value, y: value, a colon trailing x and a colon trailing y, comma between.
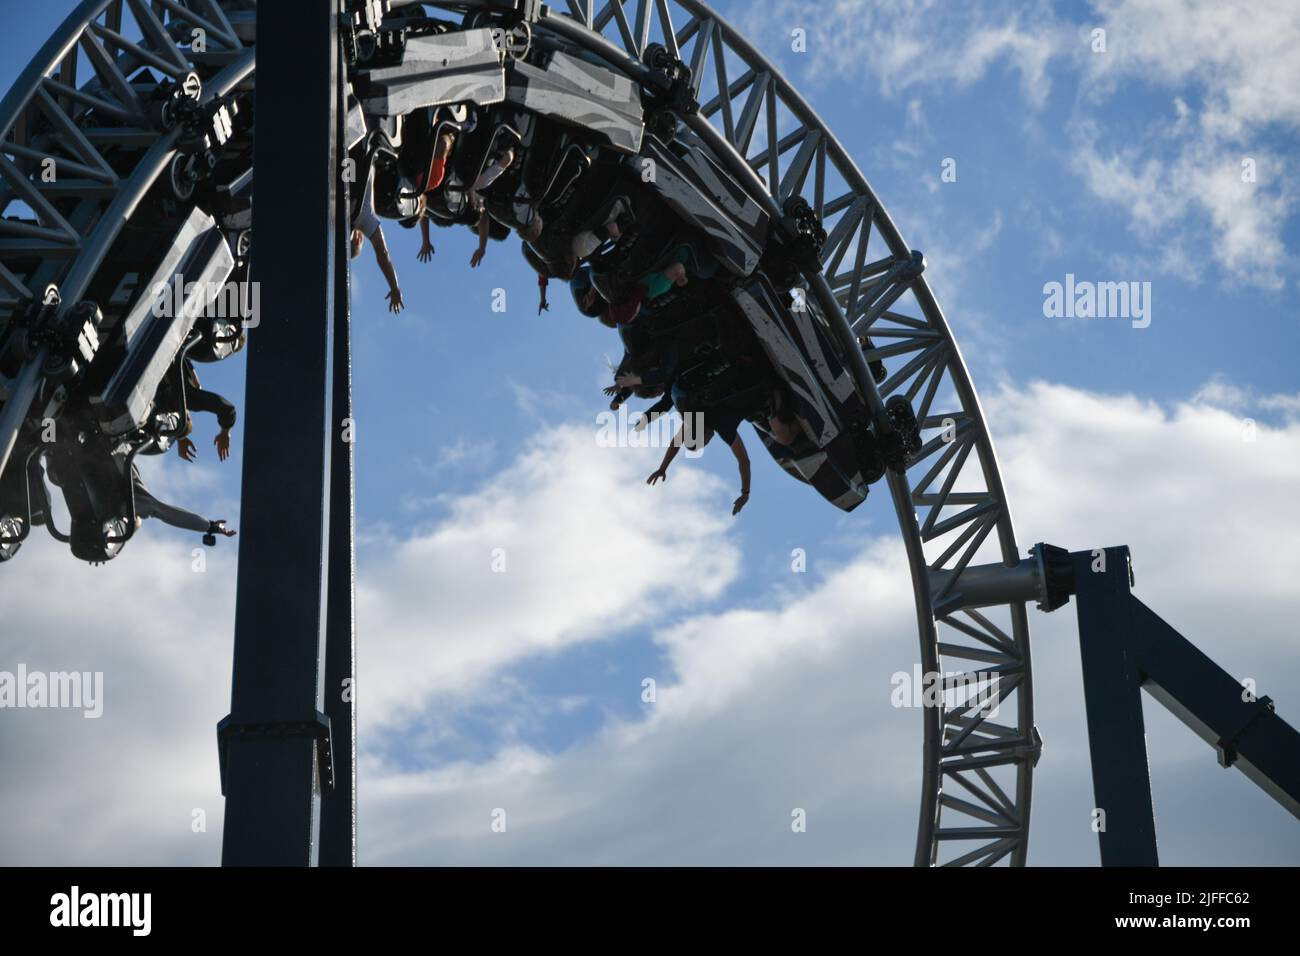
x: 1112, y: 688
x: 338, y: 812
x: 1126, y: 648
x: 275, y: 741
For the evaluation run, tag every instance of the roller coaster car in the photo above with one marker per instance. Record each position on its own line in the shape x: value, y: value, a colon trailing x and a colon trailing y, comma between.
x: 706, y: 198
x: 481, y: 135
x: 433, y: 69
x: 218, y: 339
x: 579, y: 92
x: 734, y: 351
x: 558, y: 158
x: 105, y: 385
x: 837, y: 452
x: 650, y: 246
x: 69, y: 338
x: 95, y: 480
x: 167, y: 313
x: 92, y: 468
x: 684, y: 331
x: 552, y: 161
x: 561, y: 108
x: 554, y: 174
x: 23, y: 501
x: 580, y: 185
x: 687, y: 315
x: 798, y: 248
x: 585, y: 182
x: 814, y: 466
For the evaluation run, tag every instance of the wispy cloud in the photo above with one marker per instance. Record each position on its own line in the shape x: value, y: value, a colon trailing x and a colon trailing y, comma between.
x: 1233, y: 83
x: 909, y: 44
x: 779, y: 705
x: 763, y: 707
x: 1213, y: 165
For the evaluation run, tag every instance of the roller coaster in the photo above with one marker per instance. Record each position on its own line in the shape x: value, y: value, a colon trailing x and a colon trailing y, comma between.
x: 646, y: 155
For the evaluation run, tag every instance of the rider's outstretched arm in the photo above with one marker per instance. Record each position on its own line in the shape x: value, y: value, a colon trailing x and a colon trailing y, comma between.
x: 147, y: 506
x: 426, y: 245
x: 742, y: 459
x: 385, y: 262
x: 484, y: 230
x: 669, y: 455
x: 653, y: 413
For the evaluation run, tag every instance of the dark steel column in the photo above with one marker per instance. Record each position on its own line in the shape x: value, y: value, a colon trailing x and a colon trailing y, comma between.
x: 270, y: 740
x: 338, y: 809
x: 1112, y: 685
x: 1244, y: 731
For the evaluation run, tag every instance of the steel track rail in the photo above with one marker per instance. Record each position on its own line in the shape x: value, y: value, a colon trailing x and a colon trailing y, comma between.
x: 951, y: 505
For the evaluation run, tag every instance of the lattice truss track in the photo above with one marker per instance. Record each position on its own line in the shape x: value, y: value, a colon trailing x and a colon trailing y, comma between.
x: 84, y: 104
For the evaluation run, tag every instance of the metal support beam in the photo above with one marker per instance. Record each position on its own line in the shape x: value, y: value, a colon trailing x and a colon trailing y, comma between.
x: 1112, y: 686
x: 1045, y: 577
x: 986, y: 585
x: 273, y: 739
x: 338, y: 809
x: 1126, y: 648
x: 1244, y: 730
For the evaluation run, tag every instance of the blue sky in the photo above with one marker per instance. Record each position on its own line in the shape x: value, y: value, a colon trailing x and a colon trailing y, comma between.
x: 480, y: 690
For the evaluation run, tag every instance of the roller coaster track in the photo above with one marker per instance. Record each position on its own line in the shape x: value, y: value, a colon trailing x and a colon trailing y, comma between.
x: 951, y: 504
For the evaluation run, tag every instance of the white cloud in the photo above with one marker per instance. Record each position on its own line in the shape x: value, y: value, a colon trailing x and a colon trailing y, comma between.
x: 1222, y: 393
x: 1242, y: 59
x: 913, y: 42
x: 589, y: 552
x: 120, y: 789
x: 952, y: 248
x: 762, y: 708
x: 1288, y: 405
x: 1181, y: 487
x: 770, y: 709
x: 1175, y: 185
x: 1232, y: 80
x: 1179, y: 174
x: 785, y: 705
x: 463, y: 453
x: 1219, y: 392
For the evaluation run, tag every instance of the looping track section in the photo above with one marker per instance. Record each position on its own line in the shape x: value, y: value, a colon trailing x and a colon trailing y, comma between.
x: 980, y: 744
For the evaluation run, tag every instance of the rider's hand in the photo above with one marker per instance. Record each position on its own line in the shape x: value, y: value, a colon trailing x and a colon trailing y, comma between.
x: 475, y: 259
x: 395, y: 303
x: 185, y: 448
x: 222, y: 441
x: 740, y: 503
x: 660, y: 475
x: 426, y: 252
x: 543, y: 306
